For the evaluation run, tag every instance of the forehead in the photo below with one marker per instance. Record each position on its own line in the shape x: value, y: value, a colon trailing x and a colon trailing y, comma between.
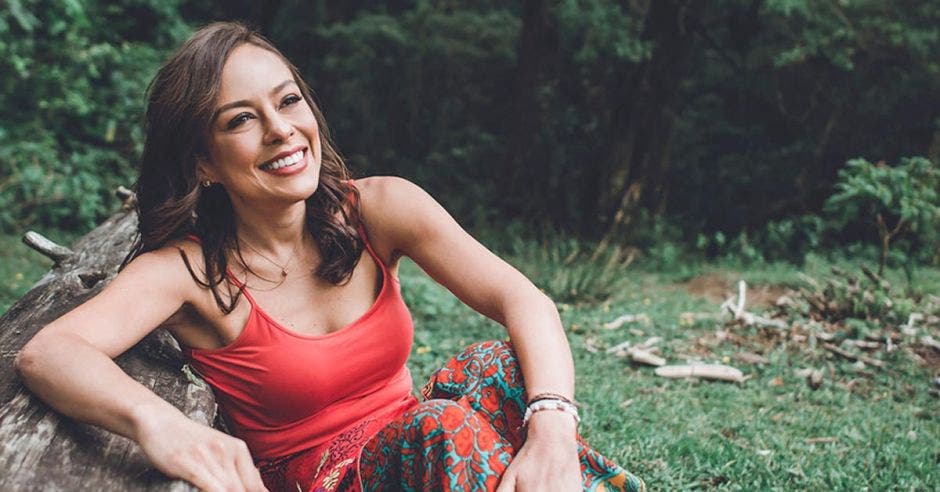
x: 251, y: 72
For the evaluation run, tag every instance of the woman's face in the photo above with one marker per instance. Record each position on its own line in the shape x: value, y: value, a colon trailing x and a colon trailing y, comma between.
x: 263, y: 141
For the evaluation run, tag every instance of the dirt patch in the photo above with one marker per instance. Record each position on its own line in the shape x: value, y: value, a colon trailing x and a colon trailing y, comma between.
x: 930, y: 356
x: 718, y: 286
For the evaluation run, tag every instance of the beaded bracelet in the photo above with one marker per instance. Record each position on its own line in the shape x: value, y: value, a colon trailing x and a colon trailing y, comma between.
x: 550, y: 404
x: 551, y: 396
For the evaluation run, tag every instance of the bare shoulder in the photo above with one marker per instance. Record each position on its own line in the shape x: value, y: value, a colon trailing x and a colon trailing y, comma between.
x: 165, y: 269
x: 395, y: 210
x: 400, y: 214
x: 390, y: 198
x: 385, y: 191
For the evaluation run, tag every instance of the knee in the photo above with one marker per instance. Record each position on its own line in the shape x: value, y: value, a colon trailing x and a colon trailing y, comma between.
x: 438, y: 417
x: 490, y: 348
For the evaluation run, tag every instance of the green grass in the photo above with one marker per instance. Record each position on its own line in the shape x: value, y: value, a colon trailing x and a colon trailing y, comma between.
x: 696, y: 435
x: 687, y: 434
x: 20, y: 268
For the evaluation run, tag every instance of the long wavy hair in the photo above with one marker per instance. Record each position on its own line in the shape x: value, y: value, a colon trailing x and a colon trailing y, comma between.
x: 171, y: 204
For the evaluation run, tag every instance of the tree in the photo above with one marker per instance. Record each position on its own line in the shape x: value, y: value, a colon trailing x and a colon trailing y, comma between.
x: 897, y: 199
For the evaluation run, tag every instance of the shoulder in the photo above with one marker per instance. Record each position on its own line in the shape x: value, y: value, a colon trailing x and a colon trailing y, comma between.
x: 165, y: 267
x: 400, y: 214
x: 389, y: 191
x: 394, y: 205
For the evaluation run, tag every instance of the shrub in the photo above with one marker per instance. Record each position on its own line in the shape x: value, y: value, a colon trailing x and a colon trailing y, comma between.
x: 898, y: 200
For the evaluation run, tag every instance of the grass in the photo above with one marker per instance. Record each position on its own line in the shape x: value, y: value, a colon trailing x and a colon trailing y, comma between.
x: 882, y: 431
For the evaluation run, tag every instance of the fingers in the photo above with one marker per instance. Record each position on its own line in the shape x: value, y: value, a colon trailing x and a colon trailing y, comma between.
x: 249, y: 475
x: 220, y: 464
x: 508, y: 482
x: 201, y: 477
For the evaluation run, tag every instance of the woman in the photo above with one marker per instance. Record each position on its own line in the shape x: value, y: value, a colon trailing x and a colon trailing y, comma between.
x: 277, y: 274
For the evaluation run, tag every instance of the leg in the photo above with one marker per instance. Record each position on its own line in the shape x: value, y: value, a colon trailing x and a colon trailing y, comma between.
x: 438, y: 445
x: 488, y: 376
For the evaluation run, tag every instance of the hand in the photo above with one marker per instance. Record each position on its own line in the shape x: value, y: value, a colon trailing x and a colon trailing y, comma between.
x: 549, y: 458
x: 205, y: 457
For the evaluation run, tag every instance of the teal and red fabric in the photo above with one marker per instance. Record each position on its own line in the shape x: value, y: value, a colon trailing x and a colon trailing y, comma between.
x: 461, y: 437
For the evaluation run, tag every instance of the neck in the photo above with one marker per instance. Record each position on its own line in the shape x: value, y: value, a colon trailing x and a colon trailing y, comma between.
x: 274, y: 231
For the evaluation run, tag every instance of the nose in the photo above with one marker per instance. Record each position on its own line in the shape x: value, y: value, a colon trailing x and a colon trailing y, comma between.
x: 278, y: 129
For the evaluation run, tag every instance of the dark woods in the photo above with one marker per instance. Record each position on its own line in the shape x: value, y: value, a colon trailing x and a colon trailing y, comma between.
x: 625, y: 120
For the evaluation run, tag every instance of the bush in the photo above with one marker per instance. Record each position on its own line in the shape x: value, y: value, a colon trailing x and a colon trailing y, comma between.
x: 897, y: 200
x: 564, y: 269
x: 73, y: 77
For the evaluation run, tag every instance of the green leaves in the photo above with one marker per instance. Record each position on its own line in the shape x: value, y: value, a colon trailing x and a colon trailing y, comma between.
x: 72, y: 88
x: 905, y: 192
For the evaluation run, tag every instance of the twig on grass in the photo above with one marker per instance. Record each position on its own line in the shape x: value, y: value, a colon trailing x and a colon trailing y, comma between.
x: 718, y: 372
x: 849, y: 355
x: 627, y: 318
x: 820, y: 440
x: 737, y: 311
x: 640, y: 353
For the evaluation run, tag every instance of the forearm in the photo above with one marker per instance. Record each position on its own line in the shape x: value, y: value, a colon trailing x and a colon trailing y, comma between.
x: 540, y: 343
x: 82, y: 382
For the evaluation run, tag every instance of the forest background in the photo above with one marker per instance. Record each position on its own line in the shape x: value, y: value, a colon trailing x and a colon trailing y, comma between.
x: 588, y: 141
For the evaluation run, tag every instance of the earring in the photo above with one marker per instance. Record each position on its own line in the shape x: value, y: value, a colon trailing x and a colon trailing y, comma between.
x: 206, y: 183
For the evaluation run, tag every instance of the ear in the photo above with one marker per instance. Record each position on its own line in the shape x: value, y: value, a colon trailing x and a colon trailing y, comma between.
x: 204, y: 169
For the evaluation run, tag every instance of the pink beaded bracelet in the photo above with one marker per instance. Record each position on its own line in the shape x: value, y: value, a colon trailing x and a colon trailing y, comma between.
x: 550, y: 404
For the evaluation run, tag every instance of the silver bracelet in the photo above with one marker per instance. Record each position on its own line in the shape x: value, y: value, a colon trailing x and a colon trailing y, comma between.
x: 550, y: 404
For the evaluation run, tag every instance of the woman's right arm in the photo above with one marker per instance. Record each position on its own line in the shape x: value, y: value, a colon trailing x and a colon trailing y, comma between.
x: 69, y: 365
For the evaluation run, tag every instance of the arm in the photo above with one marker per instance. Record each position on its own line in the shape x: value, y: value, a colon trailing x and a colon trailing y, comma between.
x: 417, y: 226
x: 57, y: 362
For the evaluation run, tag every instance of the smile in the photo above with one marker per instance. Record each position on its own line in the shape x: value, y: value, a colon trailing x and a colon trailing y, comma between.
x: 284, y: 162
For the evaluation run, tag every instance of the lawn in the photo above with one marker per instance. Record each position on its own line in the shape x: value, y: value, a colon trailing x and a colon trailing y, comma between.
x: 863, y: 428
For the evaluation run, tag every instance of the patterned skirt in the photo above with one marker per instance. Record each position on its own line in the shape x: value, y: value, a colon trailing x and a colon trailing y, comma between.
x: 461, y: 437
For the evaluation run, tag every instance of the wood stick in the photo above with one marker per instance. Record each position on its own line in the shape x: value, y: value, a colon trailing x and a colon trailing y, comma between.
x: 47, y: 247
x: 718, y: 372
x: 849, y: 355
x: 820, y: 440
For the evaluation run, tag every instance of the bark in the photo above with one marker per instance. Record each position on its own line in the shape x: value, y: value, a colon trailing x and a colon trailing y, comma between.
x: 536, y: 67
x: 43, y: 450
x: 643, y: 127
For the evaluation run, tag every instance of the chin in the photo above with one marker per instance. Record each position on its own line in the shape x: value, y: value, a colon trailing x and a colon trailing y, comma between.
x: 310, y: 184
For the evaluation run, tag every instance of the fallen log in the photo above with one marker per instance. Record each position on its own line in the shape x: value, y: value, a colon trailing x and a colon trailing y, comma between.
x: 39, y: 448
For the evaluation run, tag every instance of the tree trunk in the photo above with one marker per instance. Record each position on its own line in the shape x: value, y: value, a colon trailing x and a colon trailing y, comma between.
x: 641, y: 136
x: 43, y: 450
x: 536, y: 66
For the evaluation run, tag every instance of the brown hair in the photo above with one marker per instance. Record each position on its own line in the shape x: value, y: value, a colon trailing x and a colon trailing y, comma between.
x: 170, y: 202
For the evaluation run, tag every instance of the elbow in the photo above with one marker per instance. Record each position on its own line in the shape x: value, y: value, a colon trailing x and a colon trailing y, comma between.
x: 549, y: 304
x: 29, y: 359
x: 26, y: 360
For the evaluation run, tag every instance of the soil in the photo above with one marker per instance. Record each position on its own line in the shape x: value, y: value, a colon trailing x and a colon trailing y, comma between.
x: 718, y: 286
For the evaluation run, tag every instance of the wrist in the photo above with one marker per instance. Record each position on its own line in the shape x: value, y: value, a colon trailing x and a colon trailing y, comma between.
x: 552, y: 426
x: 148, y: 416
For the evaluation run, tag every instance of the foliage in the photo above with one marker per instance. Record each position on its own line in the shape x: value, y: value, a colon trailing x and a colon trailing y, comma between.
x: 566, y: 269
x: 897, y: 199
x: 729, y: 120
x: 73, y: 77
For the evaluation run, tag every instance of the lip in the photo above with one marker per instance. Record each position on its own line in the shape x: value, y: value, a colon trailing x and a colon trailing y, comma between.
x: 291, y: 170
x: 284, y: 154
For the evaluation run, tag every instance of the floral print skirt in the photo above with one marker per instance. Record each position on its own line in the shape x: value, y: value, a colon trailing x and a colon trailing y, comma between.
x: 461, y: 437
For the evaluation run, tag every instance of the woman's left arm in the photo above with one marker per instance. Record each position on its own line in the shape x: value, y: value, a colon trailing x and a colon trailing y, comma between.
x: 415, y: 225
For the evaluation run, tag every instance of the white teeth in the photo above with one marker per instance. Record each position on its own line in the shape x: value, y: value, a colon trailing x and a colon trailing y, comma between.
x: 285, y: 161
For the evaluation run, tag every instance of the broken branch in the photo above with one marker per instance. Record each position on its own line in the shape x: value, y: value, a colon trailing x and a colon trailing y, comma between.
x: 47, y: 247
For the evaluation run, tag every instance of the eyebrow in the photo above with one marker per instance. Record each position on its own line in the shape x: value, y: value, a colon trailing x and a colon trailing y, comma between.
x: 245, y: 102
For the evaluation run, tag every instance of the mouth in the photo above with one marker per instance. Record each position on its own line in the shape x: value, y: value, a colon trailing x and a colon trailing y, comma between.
x: 285, y: 161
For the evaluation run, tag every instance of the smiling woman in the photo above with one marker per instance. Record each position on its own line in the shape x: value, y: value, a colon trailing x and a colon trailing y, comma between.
x: 241, y: 196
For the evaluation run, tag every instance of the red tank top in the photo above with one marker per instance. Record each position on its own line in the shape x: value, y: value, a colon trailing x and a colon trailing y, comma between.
x: 284, y: 392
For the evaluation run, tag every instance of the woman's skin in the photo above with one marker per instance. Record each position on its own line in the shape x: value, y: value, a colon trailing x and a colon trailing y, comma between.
x: 262, y: 115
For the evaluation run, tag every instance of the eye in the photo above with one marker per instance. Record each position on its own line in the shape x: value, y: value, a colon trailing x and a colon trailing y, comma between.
x: 290, y: 100
x: 238, y: 120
